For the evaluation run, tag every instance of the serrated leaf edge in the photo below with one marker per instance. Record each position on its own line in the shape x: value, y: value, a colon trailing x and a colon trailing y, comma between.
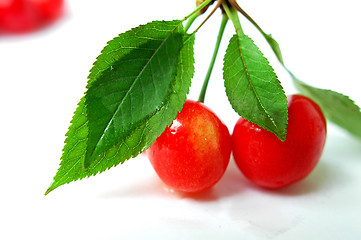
x: 90, y: 80
x: 95, y: 163
x: 282, y: 135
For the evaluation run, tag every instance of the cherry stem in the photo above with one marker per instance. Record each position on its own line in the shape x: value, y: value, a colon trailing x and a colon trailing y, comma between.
x: 215, y: 52
x: 196, y: 12
x: 191, y: 20
x: 268, y: 37
x: 239, y: 9
x: 233, y: 15
x: 219, y: 3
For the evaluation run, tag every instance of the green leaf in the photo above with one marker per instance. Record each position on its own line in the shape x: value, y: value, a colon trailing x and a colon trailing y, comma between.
x: 337, y: 107
x: 130, y: 81
x: 252, y: 86
x: 275, y: 46
x: 72, y: 161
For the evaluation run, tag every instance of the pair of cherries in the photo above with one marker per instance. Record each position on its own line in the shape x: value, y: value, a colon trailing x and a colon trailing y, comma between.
x: 193, y: 153
x: 21, y: 16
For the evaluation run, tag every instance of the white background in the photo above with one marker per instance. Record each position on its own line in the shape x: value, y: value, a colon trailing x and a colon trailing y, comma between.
x: 44, y: 74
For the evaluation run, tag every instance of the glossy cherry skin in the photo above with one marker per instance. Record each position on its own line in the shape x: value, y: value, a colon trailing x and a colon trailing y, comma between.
x: 19, y: 16
x: 271, y: 163
x: 193, y: 153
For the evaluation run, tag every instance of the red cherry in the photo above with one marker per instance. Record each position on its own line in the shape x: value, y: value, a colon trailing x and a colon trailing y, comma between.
x: 19, y: 16
x: 48, y: 10
x: 193, y: 153
x: 271, y: 163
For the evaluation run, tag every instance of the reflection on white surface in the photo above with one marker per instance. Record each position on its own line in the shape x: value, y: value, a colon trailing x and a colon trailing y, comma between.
x: 131, y: 202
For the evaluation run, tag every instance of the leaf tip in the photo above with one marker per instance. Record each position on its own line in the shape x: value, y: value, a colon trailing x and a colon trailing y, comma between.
x: 282, y: 137
x: 50, y: 188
